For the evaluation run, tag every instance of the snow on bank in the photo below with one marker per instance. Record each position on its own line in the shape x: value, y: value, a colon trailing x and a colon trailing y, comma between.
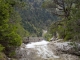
x: 42, y: 49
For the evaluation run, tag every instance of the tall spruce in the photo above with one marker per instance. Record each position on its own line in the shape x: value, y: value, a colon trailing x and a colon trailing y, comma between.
x: 9, y: 38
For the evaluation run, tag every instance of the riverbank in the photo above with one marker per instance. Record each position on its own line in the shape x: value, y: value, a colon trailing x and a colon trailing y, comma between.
x: 44, y: 50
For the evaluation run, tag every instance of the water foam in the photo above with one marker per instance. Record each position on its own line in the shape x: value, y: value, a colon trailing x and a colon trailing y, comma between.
x: 42, y: 49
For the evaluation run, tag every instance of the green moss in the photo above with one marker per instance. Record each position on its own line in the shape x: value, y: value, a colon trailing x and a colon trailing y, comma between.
x: 2, y: 56
x: 11, y: 54
x: 1, y: 48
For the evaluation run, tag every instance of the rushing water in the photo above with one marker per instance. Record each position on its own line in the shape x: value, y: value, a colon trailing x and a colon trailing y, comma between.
x: 44, y: 50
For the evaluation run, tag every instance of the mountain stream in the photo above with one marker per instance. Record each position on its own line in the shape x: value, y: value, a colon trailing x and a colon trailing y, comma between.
x: 44, y: 50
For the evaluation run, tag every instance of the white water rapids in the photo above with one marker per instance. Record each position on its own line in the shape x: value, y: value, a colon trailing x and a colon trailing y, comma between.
x: 42, y: 49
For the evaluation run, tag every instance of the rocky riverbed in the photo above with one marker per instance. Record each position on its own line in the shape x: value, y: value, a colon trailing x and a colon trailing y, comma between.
x: 45, y: 50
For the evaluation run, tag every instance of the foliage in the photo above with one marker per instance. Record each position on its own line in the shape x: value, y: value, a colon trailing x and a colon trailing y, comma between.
x: 60, y: 7
x: 1, y: 48
x: 12, y: 54
x: 10, y: 37
x: 48, y: 36
x: 35, y: 18
x: 68, y: 29
x: 21, y: 31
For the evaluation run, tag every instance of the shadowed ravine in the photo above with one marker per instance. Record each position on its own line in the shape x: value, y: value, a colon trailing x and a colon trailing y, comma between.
x: 45, y: 50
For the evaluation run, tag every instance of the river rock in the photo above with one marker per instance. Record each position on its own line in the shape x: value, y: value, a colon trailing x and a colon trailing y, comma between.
x: 46, y: 51
x: 66, y: 47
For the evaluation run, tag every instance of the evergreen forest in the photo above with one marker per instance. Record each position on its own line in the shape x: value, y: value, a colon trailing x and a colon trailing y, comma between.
x: 28, y: 18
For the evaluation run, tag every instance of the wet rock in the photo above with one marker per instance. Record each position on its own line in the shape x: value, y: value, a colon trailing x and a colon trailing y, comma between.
x: 65, y: 47
x: 47, y: 51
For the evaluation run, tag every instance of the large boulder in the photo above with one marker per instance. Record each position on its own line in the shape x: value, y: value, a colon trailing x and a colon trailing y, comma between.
x: 65, y: 47
x: 54, y: 50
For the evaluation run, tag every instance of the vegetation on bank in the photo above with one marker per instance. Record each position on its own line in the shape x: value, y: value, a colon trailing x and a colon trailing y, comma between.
x: 16, y: 22
x: 13, y: 27
x: 11, y: 30
x: 68, y: 27
x: 35, y: 18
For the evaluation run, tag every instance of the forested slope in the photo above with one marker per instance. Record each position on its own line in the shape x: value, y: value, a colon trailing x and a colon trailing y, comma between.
x: 11, y: 30
x: 68, y: 28
x: 18, y: 20
x: 35, y: 18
